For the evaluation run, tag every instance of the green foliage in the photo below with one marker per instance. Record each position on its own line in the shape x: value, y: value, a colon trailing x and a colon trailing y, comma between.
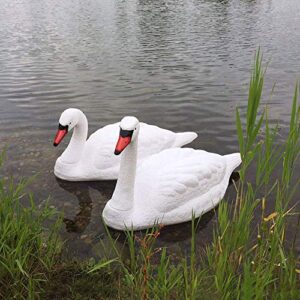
x: 27, y: 249
x: 247, y: 138
x: 257, y: 263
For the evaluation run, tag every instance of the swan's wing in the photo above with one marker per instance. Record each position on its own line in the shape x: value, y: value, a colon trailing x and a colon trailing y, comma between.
x: 100, y: 147
x: 108, y: 132
x: 171, y: 178
x: 153, y: 139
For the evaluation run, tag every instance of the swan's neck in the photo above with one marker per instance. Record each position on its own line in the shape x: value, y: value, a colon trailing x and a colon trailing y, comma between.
x: 75, y: 148
x: 123, y: 196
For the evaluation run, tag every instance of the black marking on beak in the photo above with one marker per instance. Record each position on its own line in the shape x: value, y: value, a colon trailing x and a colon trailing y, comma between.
x: 125, y: 133
x: 117, y: 152
x: 62, y: 127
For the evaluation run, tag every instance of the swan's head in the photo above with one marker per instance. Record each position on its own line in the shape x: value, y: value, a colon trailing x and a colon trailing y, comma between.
x: 129, y: 128
x: 67, y: 121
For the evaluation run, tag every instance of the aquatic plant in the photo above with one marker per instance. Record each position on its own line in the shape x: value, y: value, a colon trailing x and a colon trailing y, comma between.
x: 254, y: 257
x: 28, y: 250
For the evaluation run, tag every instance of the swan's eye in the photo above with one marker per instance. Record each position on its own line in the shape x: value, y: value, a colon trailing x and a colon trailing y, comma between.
x: 135, y: 128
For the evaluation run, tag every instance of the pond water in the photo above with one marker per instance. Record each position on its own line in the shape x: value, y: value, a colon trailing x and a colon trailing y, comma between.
x: 179, y: 64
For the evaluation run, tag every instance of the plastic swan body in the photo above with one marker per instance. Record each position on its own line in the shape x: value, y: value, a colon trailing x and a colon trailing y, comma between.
x: 93, y: 159
x: 167, y: 187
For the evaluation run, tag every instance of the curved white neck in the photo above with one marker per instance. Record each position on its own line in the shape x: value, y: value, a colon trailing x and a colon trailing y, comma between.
x: 123, y: 196
x: 75, y: 148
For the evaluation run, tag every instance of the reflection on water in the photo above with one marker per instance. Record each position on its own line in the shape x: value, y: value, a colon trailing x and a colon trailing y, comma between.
x: 181, y: 64
x: 85, y: 203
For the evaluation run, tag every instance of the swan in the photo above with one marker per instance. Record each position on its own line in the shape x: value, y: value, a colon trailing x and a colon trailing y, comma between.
x: 93, y: 159
x: 167, y: 187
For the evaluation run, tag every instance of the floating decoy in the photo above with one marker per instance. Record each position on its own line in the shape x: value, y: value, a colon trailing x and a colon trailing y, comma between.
x: 167, y: 187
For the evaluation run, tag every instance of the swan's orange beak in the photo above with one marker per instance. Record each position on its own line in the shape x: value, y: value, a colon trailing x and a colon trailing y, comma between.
x: 123, y: 141
x: 61, y: 132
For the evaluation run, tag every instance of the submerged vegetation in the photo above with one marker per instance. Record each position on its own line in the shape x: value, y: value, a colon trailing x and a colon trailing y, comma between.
x: 250, y: 256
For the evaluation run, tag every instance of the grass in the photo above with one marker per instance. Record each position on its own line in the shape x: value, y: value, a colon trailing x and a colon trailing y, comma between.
x: 28, y: 250
x: 250, y: 256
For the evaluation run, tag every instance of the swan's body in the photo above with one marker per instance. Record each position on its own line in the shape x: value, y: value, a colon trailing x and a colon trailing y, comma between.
x: 167, y: 187
x: 93, y: 159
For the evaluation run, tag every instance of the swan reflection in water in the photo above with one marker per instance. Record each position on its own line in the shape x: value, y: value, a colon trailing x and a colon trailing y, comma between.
x: 81, y: 190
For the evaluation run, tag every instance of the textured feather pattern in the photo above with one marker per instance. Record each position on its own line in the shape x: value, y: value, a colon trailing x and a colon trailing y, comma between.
x: 172, y: 175
x: 173, y: 184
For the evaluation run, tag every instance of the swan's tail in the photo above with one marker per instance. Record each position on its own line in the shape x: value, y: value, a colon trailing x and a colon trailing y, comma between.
x: 183, y: 138
x: 233, y: 160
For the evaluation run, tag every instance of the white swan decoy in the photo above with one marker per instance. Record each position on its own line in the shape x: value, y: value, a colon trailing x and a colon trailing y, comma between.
x: 167, y: 187
x: 93, y: 159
